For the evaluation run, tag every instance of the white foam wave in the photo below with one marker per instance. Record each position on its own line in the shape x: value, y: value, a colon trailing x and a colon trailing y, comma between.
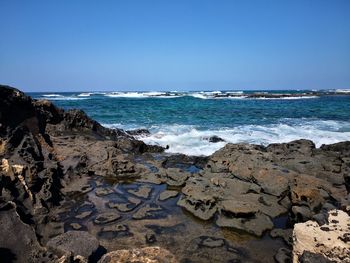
x: 66, y: 98
x: 52, y: 95
x: 287, y: 98
x: 193, y: 141
x: 85, y: 94
x: 152, y: 94
x: 342, y: 90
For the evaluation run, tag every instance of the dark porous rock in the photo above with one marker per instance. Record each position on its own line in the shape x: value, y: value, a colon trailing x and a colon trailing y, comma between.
x: 283, y: 255
x: 174, y: 160
x: 285, y: 234
x: 17, y: 240
x: 139, y: 132
x: 309, y: 257
x: 214, y: 139
x: 341, y: 147
x: 77, y: 242
x: 106, y: 218
x: 150, y: 237
x: 301, y: 213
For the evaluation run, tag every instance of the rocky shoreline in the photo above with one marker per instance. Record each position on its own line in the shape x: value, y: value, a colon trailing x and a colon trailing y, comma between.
x: 72, y: 190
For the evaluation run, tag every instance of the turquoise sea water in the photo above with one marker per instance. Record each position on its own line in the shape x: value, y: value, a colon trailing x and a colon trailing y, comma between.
x: 184, y: 121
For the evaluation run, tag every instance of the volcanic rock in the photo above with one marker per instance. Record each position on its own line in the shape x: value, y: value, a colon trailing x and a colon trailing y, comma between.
x: 76, y: 242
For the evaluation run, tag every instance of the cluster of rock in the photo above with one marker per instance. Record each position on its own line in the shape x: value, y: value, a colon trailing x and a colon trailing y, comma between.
x: 247, y: 187
x: 48, y: 156
x: 42, y: 149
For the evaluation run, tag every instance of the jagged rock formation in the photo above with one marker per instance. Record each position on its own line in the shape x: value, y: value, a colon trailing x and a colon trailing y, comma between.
x: 43, y: 148
x: 62, y: 175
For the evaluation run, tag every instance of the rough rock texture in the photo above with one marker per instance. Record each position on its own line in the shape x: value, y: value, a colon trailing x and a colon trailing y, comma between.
x: 23, y: 247
x: 44, y: 149
x: 79, y: 243
x: 249, y: 186
x: 62, y: 171
x: 143, y: 255
x: 331, y: 240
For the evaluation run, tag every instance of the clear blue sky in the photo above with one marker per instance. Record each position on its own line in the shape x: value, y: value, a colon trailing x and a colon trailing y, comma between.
x: 174, y: 45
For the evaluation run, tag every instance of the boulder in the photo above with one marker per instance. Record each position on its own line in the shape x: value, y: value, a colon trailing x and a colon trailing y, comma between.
x: 139, y: 255
x: 76, y: 242
x: 330, y: 240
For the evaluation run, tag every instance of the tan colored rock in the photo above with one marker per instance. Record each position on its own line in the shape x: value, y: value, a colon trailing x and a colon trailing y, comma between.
x: 331, y: 240
x: 143, y: 255
x: 239, y: 207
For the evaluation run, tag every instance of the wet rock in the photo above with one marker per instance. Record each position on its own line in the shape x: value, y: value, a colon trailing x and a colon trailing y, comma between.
x: 199, y: 198
x: 139, y: 132
x: 148, y: 212
x: 212, y: 242
x: 239, y: 208
x: 213, y: 249
x: 285, y: 234
x: 150, y: 238
x: 214, y: 139
x: 103, y: 191
x: 256, y: 224
x: 174, y: 176
x: 107, y: 217
x: 301, y: 213
x: 83, y: 215
x: 309, y: 257
x: 143, y: 191
x: 76, y: 226
x: 283, y: 255
x: 325, y: 240
x: 143, y: 255
x: 76, y: 242
x: 167, y: 194
x: 128, y: 206
x: 113, y: 231
x: 174, y: 160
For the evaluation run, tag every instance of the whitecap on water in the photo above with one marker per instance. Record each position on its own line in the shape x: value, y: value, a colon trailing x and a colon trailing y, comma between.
x: 190, y: 140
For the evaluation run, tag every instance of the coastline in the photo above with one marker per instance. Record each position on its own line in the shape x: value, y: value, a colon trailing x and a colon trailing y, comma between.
x: 62, y: 171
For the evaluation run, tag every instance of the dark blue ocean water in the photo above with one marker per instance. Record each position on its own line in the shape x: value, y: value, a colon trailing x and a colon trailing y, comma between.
x: 185, y: 121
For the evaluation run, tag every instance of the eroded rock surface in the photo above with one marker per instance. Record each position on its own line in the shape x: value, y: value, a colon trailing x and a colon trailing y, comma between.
x: 143, y: 255
x: 63, y: 171
x: 331, y: 240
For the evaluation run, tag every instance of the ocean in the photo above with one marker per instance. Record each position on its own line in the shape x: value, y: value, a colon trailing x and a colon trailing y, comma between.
x: 186, y: 120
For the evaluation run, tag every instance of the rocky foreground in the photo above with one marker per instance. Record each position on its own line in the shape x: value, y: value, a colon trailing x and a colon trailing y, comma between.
x: 74, y: 191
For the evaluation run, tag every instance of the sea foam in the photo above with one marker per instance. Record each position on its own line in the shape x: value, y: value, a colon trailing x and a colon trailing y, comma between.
x: 191, y: 140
